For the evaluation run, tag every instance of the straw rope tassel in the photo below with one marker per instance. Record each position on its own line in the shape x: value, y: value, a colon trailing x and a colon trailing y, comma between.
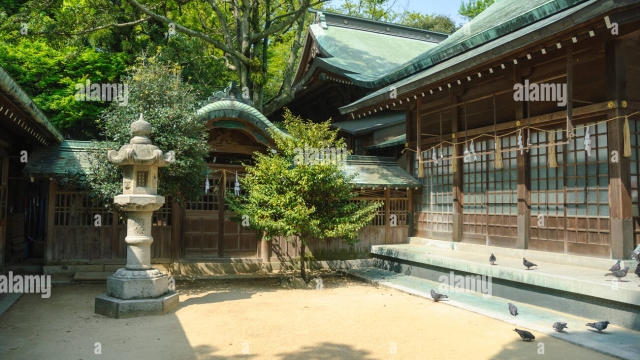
x: 498, y: 157
x: 454, y: 161
x: 627, y: 137
x: 553, y: 162
x: 420, y: 166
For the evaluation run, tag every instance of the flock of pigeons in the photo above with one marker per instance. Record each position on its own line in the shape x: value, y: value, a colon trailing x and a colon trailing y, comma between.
x: 557, y: 326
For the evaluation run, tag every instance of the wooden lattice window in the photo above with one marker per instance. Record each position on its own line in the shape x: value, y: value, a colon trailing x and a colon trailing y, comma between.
x: 547, y: 188
x: 72, y: 208
x: 474, y: 185
x: 502, y: 184
x: 436, y: 199
x: 587, y: 194
x: 634, y: 127
x: 209, y: 200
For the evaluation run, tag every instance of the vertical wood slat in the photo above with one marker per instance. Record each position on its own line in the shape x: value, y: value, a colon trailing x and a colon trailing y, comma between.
x: 51, y: 210
x: 458, y: 195
x: 176, y: 230
x: 387, y: 214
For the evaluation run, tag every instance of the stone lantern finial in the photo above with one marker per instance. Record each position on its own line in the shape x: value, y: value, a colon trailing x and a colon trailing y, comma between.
x: 140, y: 130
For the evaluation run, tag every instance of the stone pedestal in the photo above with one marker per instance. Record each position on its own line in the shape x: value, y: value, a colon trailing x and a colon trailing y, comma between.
x: 138, y: 289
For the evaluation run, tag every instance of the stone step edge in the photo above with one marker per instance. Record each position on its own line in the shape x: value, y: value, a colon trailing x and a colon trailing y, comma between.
x: 391, y: 285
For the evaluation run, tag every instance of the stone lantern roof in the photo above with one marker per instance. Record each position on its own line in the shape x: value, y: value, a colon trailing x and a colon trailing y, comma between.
x: 140, y: 151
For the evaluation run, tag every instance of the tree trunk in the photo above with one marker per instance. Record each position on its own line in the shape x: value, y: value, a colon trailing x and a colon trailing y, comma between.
x: 302, y: 250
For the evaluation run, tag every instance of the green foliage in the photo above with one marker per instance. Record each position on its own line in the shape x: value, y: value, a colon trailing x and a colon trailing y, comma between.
x: 307, y: 201
x: 168, y: 104
x: 50, y: 76
x: 382, y: 10
x: 440, y: 23
x: 473, y: 8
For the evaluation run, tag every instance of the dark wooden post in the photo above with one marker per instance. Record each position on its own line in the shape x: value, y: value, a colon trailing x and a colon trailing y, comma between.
x: 387, y: 215
x: 4, y: 184
x: 221, y: 190
x: 51, y: 207
x: 176, y: 231
x: 410, y: 224
x: 523, y: 176
x: 458, y: 196
x: 619, y: 171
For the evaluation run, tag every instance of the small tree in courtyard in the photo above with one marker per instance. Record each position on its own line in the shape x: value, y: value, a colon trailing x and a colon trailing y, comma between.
x: 293, y: 195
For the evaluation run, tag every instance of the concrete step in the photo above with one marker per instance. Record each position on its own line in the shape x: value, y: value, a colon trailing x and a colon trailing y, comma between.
x: 615, y: 340
x: 580, y: 291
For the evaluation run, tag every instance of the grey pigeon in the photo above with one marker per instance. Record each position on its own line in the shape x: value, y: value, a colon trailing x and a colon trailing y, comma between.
x: 618, y: 273
x: 527, y: 263
x: 615, y: 267
x: 559, y: 326
x: 436, y: 297
x: 600, y: 325
x: 492, y: 259
x: 525, y: 335
x: 513, y: 309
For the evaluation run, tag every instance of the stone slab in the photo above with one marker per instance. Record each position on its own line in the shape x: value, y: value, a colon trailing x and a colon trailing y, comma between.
x: 122, y: 309
x: 129, y: 289
x: 573, y: 279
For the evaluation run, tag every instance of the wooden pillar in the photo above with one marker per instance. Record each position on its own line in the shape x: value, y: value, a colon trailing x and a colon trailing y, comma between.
x: 409, y: 135
x: 51, y: 213
x: 387, y: 215
x: 619, y: 172
x: 410, y: 212
x: 523, y: 234
x: 222, y: 189
x: 176, y: 231
x: 4, y: 184
x: 458, y: 196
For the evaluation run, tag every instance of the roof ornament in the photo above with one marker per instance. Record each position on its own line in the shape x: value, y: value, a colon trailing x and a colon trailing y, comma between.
x: 232, y: 92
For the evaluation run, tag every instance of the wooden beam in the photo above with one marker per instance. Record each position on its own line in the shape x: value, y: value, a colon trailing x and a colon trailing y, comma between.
x: 523, y: 233
x: 620, y: 204
x: 387, y: 215
x: 540, y: 120
x: 458, y: 195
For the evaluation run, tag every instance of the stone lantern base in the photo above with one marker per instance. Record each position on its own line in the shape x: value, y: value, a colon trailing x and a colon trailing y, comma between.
x: 132, y: 293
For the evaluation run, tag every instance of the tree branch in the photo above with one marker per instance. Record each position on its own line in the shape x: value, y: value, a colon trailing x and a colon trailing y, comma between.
x: 238, y: 55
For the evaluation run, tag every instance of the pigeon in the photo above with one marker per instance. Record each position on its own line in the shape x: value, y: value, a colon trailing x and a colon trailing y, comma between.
x: 527, y: 263
x: 436, y: 297
x: 600, y: 325
x: 615, y: 267
x: 559, y: 326
x: 618, y: 273
x: 525, y: 335
x: 492, y: 259
x: 513, y: 309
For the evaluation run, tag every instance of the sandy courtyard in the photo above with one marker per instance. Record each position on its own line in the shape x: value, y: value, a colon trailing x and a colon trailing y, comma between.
x: 258, y: 320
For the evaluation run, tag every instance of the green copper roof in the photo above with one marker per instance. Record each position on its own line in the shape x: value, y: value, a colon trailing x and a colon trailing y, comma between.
x: 504, y: 27
x: 362, y: 55
x: 45, y: 161
x: 232, y: 109
x: 16, y: 94
x: 394, y: 141
x: 374, y: 171
x: 370, y: 123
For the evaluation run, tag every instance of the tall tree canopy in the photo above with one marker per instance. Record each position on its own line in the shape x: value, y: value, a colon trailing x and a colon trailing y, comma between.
x: 473, y: 8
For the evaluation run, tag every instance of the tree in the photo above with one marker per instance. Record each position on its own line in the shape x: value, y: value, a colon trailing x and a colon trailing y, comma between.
x: 292, y: 198
x: 382, y: 10
x: 441, y: 23
x: 240, y: 31
x: 157, y: 91
x: 473, y: 8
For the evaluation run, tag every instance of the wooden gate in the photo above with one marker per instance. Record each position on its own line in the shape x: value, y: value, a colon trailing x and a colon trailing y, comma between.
x: 204, y: 220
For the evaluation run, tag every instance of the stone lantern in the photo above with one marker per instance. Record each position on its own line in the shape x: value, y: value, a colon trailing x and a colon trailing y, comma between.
x: 138, y: 289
